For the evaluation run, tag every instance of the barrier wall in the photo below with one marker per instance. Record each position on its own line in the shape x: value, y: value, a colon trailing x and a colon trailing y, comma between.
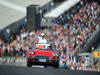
x: 14, y: 61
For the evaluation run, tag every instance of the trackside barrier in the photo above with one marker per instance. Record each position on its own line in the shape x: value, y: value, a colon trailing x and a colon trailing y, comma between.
x: 17, y: 61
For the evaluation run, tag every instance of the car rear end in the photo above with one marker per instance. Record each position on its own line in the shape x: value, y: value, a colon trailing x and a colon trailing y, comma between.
x: 45, y: 58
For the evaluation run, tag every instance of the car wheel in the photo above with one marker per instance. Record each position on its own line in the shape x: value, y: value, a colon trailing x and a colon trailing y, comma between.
x: 29, y: 64
x: 56, y: 66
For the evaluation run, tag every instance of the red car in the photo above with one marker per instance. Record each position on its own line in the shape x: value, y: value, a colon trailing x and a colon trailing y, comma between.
x: 43, y: 55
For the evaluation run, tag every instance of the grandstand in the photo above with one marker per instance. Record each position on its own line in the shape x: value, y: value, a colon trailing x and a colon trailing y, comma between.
x: 13, y: 10
x: 14, y: 13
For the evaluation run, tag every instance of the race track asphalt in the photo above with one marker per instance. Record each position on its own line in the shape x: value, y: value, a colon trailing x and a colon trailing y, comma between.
x: 13, y: 70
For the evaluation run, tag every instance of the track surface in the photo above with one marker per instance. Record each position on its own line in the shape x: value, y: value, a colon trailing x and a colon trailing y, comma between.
x: 12, y: 70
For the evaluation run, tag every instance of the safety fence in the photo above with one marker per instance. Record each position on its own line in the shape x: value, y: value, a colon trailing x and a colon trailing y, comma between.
x: 16, y: 61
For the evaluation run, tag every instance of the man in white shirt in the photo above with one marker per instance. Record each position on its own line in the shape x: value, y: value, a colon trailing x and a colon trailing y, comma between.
x: 42, y: 39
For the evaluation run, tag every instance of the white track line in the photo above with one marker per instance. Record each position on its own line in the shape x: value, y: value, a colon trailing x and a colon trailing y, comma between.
x: 13, y: 6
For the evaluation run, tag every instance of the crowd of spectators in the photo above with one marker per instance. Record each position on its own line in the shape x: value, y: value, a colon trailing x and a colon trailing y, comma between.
x: 69, y: 38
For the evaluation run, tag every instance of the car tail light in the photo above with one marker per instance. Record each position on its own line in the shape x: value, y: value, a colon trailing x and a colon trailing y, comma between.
x: 55, y: 54
x: 32, y: 53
